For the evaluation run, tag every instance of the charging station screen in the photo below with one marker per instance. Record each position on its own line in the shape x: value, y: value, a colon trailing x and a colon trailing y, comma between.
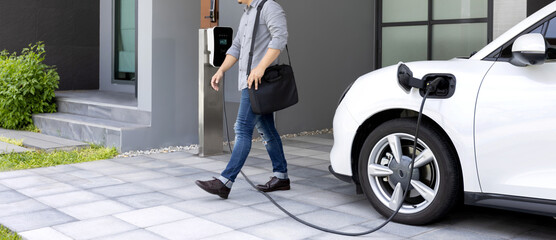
x: 223, y: 42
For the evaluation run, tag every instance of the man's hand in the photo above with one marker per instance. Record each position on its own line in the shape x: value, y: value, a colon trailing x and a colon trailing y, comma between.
x: 218, y: 76
x: 255, y: 77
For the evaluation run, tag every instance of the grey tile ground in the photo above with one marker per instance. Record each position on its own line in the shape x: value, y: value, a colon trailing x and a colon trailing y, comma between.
x: 154, y: 197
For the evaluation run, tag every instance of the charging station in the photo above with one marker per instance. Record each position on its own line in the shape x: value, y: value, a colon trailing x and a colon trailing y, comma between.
x: 214, y: 41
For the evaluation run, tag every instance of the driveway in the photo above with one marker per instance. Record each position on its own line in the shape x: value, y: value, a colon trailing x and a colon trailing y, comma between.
x: 154, y: 197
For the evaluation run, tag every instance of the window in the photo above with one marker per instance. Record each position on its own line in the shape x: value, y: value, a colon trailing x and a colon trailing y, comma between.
x: 410, y: 30
x: 124, y: 41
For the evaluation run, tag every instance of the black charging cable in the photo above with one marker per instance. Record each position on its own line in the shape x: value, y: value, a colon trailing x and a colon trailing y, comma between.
x: 430, y: 87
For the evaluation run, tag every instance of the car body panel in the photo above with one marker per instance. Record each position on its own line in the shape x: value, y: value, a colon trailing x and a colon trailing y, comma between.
x: 515, y: 131
x: 455, y: 114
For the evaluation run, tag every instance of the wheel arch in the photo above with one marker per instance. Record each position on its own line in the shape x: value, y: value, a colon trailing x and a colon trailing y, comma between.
x: 379, y: 118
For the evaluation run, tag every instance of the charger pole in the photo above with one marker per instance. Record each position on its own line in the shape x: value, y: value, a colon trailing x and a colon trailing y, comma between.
x: 210, y: 102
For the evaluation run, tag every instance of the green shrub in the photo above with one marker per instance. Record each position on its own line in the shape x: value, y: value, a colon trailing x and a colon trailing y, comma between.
x: 26, y: 86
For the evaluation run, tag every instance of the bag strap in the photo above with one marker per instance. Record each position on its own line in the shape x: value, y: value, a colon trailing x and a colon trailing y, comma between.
x: 257, y: 20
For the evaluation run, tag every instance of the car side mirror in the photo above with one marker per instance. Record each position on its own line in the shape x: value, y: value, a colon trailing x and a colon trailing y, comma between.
x: 529, y: 49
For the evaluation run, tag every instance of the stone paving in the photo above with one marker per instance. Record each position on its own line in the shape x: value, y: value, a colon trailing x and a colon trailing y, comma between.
x: 154, y: 197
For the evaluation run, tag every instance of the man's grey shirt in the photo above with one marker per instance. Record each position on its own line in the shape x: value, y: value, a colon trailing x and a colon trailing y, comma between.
x: 272, y: 32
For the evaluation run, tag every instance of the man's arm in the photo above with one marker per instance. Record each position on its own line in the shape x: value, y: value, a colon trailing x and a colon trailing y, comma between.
x: 258, y: 72
x: 229, y: 61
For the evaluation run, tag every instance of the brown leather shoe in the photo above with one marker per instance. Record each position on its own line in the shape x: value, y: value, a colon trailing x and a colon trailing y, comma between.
x: 275, y: 184
x: 215, y: 187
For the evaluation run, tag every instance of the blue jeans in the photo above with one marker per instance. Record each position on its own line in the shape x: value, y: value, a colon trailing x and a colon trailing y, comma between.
x: 245, y: 123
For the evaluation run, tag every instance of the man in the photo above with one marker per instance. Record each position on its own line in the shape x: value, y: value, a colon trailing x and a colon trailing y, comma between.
x: 271, y: 38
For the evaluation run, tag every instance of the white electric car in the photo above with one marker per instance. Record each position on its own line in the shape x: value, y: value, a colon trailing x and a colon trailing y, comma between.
x: 486, y: 136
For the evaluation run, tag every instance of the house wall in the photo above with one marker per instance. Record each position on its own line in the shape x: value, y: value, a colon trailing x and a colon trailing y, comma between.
x: 69, y: 29
x: 331, y: 44
x: 168, y: 60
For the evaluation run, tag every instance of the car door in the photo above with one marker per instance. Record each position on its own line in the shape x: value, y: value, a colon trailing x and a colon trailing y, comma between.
x: 515, y: 126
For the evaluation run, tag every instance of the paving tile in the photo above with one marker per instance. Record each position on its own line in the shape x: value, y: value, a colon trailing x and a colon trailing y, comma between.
x: 146, y: 200
x: 131, y: 160
x: 11, y: 196
x: 149, y: 217
x: 4, y: 188
x: 21, y: 207
x: 208, y: 205
x: 305, y: 172
x: 249, y: 217
x: 171, y: 155
x: 331, y: 219
x: 95, y: 209
x: 213, y: 166
x: 94, y: 228
x: 361, y: 208
x: 11, y: 148
x: 25, y: 182
x: 140, y: 234
x: 324, y: 182
x: 285, y: 228
x: 305, y: 161
x: 155, y: 164
x: 121, y: 190
x: 454, y: 234
x: 193, y: 228
x: 46, y: 233
x: 118, y: 170
x: 85, y: 174
x: 246, y: 197
x: 408, y: 230
x: 235, y: 235
x: 326, y: 199
x: 54, y: 169
x: 95, y: 182
x: 34, y: 220
x: 179, y: 171
x: 186, y: 193
x: 293, y: 207
x: 139, y: 176
x: 165, y: 183
x: 70, y: 199
x: 98, y: 164
x: 357, y: 229
x: 325, y: 156
x: 189, y: 160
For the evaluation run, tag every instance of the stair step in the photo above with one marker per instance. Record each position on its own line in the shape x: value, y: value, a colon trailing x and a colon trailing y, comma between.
x: 101, y: 110
x: 85, y: 128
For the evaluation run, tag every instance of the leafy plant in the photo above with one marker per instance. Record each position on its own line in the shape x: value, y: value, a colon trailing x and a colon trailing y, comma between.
x: 26, y: 86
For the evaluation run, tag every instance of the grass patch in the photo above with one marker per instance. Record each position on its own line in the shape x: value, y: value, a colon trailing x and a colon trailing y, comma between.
x: 38, y: 159
x: 6, y: 234
x: 12, y: 141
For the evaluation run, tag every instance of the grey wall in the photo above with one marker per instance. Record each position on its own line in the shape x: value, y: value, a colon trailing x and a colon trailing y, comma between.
x: 331, y: 44
x: 69, y: 29
x: 175, y: 27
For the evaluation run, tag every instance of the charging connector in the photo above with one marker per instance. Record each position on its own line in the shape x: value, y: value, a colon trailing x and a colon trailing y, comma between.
x: 441, y: 85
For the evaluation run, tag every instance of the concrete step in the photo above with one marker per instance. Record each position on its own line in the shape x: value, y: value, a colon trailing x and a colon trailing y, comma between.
x: 84, y: 128
x: 102, y: 110
x: 41, y: 141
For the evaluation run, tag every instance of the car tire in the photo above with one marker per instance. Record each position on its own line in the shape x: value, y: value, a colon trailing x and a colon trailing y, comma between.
x: 436, y: 183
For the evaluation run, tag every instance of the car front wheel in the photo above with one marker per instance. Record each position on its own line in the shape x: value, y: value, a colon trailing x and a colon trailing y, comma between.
x: 384, y: 170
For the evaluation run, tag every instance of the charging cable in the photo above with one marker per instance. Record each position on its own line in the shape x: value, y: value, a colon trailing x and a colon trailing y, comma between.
x: 430, y: 87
